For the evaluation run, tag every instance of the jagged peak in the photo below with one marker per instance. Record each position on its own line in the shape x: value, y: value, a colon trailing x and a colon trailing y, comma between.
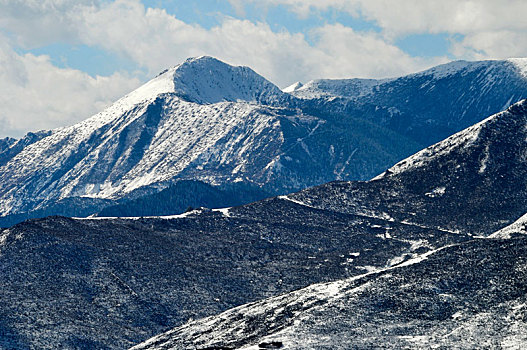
x: 203, y: 80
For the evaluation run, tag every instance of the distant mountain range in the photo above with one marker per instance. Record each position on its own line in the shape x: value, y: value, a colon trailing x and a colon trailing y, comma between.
x: 207, y: 121
x: 430, y: 252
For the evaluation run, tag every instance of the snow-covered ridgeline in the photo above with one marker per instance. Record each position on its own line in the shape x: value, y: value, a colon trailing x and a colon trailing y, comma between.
x: 521, y: 65
x: 460, y: 140
x: 354, y: 88
x: 331, y: 88
x: 517, y: 227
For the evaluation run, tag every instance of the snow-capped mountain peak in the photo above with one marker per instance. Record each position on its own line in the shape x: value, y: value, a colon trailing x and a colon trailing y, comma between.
x: 207, y: 80
x: 293, y: 87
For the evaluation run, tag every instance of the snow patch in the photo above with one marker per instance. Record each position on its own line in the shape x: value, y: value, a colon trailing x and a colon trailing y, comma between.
x: 293, y: 87
x: 520, y: 64
x: 286, y: 198
x: 167, y: 217
x: 436, y: 192
x: 483, y: 162
x: 224, y: 211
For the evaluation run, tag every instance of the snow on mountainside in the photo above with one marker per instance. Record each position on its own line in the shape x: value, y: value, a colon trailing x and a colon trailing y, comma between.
x: 521, y: 64
x: 447, y: 298
x: 147, y: 137
x: 354, y: 88
x: 201, y: 120
x: 292, y: 87
x: 500, y: 125
x: 405, y: 228
x: 112, y: 283
x: 105, y: 157
x: 331, y: 88
x: 427, y: 106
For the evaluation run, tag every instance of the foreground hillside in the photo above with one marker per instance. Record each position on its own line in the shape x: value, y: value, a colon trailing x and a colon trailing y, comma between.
x: 464, y: 296
x: 113, y: 283
x: 74, y: 283
x: 204, y: 120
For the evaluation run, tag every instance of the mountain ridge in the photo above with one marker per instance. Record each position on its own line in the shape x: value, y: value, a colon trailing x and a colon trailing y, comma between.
x: 208, y: 121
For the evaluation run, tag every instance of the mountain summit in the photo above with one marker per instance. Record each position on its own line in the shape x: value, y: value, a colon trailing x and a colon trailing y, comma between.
x: 206, y: 80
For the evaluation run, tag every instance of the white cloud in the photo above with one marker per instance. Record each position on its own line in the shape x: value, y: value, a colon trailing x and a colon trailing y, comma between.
x: 486, y: 24
x: 34, y: 23
x: 366, y: 55
x: 496, y: 44
x: 155, y: 40
x: 419, y: 16
x: 34, y: 94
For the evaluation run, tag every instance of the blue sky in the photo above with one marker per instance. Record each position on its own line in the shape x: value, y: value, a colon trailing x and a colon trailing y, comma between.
x: 61, y: 61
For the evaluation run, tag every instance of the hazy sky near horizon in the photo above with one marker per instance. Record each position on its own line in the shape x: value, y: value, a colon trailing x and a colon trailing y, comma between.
x: 62, y: 61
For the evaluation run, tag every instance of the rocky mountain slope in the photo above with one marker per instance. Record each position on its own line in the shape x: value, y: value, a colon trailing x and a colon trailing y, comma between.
x: 471, y: 182
x: 112, y: 283
x: 204, y: 120
x: 464, y: 296
x: 427, y: 106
